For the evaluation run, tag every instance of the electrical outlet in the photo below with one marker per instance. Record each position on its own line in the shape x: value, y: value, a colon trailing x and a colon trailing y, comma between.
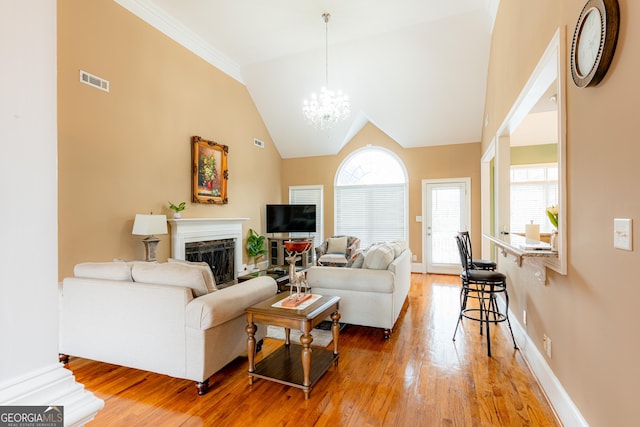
x: 547, y: 345
x: 414, y: 258
x: 524, y: 317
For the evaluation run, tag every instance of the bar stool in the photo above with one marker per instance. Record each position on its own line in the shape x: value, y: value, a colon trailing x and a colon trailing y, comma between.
x: 483, y: 285
x: 476, y: 264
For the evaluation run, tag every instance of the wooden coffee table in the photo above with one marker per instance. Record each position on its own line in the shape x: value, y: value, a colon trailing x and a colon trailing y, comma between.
x: 291, y: 363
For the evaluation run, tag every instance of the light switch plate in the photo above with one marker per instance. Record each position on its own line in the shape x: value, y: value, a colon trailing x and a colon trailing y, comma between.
x: 622, y: 233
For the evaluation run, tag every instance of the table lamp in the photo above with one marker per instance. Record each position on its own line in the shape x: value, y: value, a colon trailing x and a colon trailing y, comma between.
x: 148, y: 225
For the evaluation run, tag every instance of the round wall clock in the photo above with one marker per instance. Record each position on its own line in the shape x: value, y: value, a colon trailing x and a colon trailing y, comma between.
x: 594, y: 41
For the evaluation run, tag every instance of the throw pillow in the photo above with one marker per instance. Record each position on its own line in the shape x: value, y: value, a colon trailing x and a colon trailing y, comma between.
x: 103, y: 270
x: 337, y: 245
x: 357, y: 259
x: 175, y: 274
x: 207, y: 274
x: 378, y: 257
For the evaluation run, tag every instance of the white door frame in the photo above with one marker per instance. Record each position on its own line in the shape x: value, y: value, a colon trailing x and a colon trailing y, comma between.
x: 487, y: 219
x: 426, y: 219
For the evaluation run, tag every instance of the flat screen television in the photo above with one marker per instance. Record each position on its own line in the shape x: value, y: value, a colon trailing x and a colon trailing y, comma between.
x: 291, y: 218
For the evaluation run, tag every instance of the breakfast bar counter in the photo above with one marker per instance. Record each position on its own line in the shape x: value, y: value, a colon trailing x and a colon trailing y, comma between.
x: 521, y: 247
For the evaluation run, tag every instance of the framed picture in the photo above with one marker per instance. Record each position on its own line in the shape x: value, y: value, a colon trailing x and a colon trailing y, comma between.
x: 210, y: 173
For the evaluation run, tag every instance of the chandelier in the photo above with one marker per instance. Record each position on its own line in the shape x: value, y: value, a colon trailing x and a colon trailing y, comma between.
x: 328, y: 108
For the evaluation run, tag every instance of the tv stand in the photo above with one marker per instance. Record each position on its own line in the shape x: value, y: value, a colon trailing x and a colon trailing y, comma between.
x: 278, y: 253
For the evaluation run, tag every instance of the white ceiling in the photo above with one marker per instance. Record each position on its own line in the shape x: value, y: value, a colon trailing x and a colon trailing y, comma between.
x: 416, y: 69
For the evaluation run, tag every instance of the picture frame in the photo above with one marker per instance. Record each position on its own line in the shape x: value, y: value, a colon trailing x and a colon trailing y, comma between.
x: 210, y: 172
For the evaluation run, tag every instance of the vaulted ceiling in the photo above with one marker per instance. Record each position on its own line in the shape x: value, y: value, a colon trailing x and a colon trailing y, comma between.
x: 416, y: 69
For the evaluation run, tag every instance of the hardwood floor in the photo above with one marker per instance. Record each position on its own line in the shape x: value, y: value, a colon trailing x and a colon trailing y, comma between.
x: 419, y: 377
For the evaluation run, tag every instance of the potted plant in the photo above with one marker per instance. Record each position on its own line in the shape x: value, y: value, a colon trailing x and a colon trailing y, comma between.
x: 177, y: 209
x: 552, y: 214
x: 255, y: 246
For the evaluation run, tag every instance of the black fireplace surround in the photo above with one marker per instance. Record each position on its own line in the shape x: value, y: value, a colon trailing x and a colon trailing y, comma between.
x: 219, y: 254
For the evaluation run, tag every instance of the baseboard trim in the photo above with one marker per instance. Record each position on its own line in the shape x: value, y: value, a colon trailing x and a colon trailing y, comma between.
x: 417, y: 268
x: 566, y: 411
x: 53, y: 385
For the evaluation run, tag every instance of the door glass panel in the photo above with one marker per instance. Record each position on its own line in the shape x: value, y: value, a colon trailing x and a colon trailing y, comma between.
x: 445, y: 224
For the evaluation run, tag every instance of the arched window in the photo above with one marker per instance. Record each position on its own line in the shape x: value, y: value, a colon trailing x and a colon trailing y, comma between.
x: 371, y: 196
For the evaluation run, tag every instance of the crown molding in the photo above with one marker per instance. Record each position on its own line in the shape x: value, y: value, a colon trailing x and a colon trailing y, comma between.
x: 169, y: 26
x: 491, y: 6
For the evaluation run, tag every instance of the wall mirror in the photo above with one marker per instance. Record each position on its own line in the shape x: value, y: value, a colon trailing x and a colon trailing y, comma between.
x: 533, y: 154
x: 524, y: 168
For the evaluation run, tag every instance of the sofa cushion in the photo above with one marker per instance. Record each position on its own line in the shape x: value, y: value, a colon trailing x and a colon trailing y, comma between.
x: 174, y: 274
x: 397, y: 248
x: 333, y: 259
x: 337, y: 245
x: 350, y: 280
x: 379, y: 257
x: 229, y: 303
x: 209, y: 280
x: 103, y: 270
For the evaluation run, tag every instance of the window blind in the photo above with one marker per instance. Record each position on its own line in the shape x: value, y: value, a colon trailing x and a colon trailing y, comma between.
x: 309, y: 195
x: 533, y: 189
x: 374, y: 213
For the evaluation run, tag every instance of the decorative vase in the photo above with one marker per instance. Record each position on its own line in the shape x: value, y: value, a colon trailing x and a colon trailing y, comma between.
x: 554, y: 240
x: 176, y: 215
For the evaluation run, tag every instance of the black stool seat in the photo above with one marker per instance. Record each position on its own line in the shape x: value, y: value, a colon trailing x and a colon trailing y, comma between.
x: 484, y: 276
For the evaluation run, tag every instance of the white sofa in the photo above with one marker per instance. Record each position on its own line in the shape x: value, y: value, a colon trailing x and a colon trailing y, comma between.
x: 166, y: 318
x: 373, y: 290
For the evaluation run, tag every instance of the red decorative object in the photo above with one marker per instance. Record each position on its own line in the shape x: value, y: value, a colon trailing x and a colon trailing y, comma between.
x: 297, y: 245
x: 295, y: 300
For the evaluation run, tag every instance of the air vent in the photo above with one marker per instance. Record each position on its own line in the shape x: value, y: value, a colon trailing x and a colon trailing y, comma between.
x: 95, y: 81
x: 258, y: 143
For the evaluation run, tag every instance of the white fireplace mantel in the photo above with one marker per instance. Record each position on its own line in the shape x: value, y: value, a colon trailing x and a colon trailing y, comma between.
x: 188, y: 230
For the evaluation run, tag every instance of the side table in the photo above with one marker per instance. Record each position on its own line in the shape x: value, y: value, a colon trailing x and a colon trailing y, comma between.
x: 280, y: 275
x: 291, y: 363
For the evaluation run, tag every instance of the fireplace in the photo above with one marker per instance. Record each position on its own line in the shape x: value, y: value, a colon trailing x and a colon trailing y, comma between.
x: 216, y: 241
x: 219, y: 254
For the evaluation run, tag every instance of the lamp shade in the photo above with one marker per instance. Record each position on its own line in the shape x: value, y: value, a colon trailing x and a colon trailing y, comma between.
x: 147, y: 225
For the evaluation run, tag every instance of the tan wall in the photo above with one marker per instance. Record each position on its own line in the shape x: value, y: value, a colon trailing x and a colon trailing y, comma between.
x: 589, y: 313
x: 128, y: 151
x: 534, y: 154
x: 447, y: 161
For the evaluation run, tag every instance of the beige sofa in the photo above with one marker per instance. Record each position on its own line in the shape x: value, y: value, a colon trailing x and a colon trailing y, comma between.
x: 373, y: 290
x: 166, y: 318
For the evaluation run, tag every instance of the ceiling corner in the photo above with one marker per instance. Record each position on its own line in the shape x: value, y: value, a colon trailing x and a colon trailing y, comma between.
x: 175, y: 30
